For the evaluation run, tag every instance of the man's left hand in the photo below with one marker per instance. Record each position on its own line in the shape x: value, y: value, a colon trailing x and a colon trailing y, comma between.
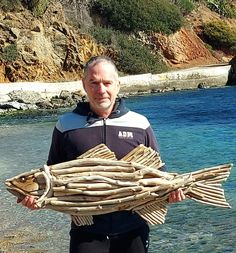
x: 176, y: 196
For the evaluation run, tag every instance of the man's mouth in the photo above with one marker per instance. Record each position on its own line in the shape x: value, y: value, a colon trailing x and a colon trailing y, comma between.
x: 102, y: 99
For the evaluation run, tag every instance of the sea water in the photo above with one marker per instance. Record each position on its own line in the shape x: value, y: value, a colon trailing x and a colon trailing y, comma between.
x: 195, y: 129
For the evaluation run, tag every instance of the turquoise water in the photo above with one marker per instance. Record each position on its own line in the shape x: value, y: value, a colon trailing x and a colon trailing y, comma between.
x: 195, y: 129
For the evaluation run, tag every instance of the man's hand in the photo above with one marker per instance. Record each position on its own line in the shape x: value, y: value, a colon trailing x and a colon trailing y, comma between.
x: 176, y: 196
x: 30, y: 202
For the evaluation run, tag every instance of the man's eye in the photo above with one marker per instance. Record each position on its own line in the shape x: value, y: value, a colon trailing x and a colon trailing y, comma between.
x: 107, y: 83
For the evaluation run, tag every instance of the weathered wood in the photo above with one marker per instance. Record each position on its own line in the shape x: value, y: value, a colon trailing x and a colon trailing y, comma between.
x: 99, y: 168
x: 96, y: 183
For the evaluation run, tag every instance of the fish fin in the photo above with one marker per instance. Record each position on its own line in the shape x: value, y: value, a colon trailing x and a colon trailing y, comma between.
x: 99, y: 151
x: 82, y: 220
x: 207, y: 187
x: 145, y: 156
x: 154, y: 212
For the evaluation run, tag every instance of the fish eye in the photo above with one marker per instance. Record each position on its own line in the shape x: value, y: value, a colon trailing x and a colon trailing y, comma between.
x: 23, y: 179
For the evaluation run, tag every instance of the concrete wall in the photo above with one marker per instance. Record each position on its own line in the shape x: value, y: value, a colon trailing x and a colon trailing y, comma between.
x: 215, y: 75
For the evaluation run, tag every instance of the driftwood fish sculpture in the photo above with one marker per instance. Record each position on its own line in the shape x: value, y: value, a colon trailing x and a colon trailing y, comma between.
x: 97, y: 183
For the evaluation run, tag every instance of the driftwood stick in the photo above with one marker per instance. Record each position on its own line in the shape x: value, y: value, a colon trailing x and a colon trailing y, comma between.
x: 153, y: 171
x: 99, y: 151
x: 92, y: 210
x: 210, y: 188
x: 99, y: 203
x: 91, y: 186
x: 113, y: 175
x: 82, y: 220
x: 131, y: 190
x: 200, y: 197
x: 213, y: 203
x: 88, y: 162
x: 161, y: 204
x: 94, y: 179
x: 215, y: 180
x: 208, y: 192
x: 75, y: 198
x: 158, y: 219
x: 205, y: 194
x: 97, y: 168
x: 213, y: 170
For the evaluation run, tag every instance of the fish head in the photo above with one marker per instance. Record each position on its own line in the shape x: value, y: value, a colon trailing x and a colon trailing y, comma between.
x: 29, y: 183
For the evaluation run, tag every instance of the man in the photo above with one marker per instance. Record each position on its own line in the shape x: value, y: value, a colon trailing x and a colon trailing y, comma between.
x: 104, y: 119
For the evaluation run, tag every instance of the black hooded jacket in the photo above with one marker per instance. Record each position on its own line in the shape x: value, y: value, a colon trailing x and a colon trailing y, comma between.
x: 122, y: 131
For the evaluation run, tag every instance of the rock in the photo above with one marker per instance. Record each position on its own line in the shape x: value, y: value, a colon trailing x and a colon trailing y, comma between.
x: 78, y: 96
x: 27, y: 97
x: 57, y: 102
x: 201, y: 86
x: 15, y: 31
x: 65, y: 94
x: 17, y: 106
x: 232, y: 72
x: 182, y: 47
x: 45, y: 105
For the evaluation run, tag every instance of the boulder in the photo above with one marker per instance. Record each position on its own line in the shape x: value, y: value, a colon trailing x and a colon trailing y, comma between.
x: 16, y: 105
x: 27, y: 97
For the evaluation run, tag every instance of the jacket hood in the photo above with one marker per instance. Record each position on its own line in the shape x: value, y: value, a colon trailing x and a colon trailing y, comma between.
x: 119, y: 110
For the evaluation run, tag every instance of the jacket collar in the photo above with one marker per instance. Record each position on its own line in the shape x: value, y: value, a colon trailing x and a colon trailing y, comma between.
x: 119, y: 110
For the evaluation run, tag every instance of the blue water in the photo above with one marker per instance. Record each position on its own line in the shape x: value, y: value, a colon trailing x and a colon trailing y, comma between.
x: 195, y: 129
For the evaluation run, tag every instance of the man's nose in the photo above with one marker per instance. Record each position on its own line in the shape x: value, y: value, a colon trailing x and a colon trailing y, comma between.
x: 101, y: 88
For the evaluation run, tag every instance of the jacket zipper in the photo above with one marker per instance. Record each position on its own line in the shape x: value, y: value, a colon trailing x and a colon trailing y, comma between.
x: 104, y: 131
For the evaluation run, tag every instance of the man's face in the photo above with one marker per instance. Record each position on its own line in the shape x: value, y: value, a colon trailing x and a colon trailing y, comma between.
x: 102, y: 86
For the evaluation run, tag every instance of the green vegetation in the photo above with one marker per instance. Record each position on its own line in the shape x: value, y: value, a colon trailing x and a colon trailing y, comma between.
x: 10, y: 5
x: 132, y: 57
x: 140, y: 15
x: 223, y: 7
x: 38, y: 7
x: 9, y: 53
x: 185, y: 6
x: 220, y: 35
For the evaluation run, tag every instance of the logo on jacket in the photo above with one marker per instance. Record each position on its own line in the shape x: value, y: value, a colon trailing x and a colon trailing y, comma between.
x: 125, y: 135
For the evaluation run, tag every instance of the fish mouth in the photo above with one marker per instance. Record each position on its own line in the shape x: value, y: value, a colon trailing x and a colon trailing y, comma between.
x: 16, y: 192
x: 20, y: 194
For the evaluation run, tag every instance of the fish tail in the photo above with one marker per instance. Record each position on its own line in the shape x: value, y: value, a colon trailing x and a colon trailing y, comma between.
x: 207, y: 185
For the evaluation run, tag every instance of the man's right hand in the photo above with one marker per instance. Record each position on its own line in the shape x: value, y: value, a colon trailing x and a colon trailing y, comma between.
x: 29, y: 202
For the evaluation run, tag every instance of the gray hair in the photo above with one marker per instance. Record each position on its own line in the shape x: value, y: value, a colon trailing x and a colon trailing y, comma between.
x: 97, y: 59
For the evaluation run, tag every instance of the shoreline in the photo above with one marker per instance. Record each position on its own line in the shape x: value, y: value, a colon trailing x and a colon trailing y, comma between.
x: 24, y: 96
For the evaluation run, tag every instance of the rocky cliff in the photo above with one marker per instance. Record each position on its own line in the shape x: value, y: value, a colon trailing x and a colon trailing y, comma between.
x: 50, y: 49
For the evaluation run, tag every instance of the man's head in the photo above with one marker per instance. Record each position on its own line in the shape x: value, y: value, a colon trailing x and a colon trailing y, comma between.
x: 101, y: 83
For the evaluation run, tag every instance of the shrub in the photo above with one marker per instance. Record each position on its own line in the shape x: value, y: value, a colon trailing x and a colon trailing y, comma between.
x: 140, y: 15
x: 10, y: 5
x: 9, y: 53
x: 219, y: 34
x: 132, y: 56
x: 230, y: 11
x: 185, y: 6
x: 38, y: 7
x: 222, y: 7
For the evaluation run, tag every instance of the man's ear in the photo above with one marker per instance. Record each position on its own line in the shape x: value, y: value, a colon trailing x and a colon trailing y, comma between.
x: 118, y: 86
x: 84, y: 85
